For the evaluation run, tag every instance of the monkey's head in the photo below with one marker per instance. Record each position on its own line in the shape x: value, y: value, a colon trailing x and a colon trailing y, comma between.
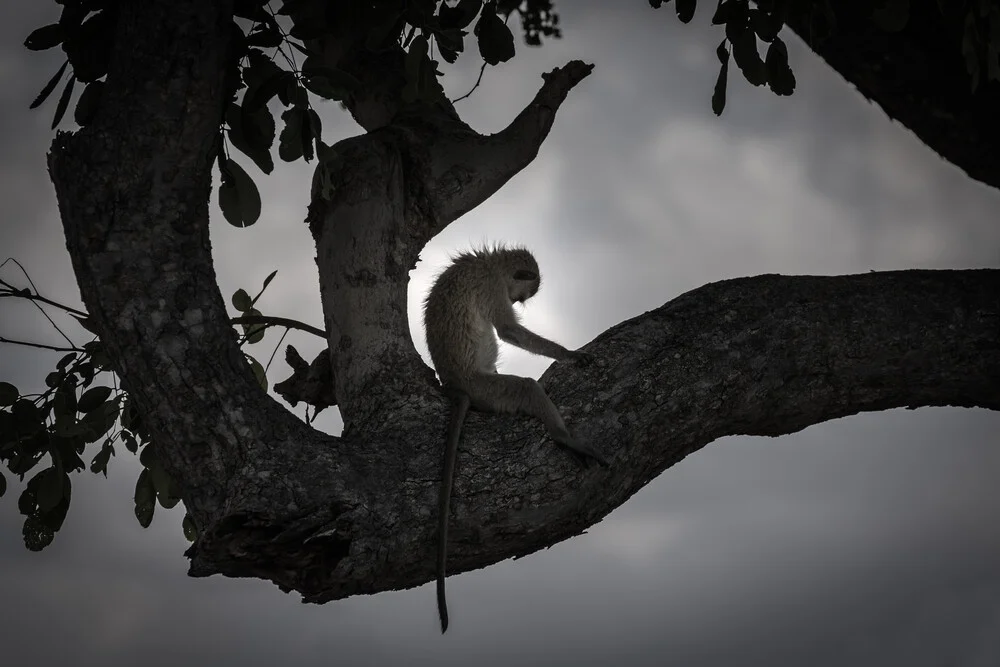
x: 524, y: 279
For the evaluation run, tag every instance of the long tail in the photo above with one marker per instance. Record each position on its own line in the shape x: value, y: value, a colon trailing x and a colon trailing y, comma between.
x: 458, y: 412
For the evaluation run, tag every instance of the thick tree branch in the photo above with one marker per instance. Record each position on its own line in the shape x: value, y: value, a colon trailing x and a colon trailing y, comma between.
x: 766, y: 355
x: 134, y: 206
x: 389, y: 192
x: 472, y: 167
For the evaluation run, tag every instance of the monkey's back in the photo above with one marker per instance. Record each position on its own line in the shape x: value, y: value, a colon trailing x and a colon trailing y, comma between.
x: 458, y: 320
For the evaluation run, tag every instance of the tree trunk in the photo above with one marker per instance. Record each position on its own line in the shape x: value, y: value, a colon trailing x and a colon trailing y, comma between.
x: 332, y: 517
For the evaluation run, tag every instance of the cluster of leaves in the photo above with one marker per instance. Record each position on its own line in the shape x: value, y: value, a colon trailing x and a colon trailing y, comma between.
x: 74, y: 414
x: 253, y: 332
x: 412, y: 25
x: 59, y: 424
x: 264, y: 36
x: 85, y: 30
x: 745, y: 26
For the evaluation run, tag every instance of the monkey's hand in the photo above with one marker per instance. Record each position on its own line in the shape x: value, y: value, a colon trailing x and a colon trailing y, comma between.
x: 580, y: 358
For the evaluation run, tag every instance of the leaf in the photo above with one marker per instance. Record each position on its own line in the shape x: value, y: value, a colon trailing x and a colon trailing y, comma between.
x: 496, y: 43
x: 311, y: 131
x: 259, y: 69
x: 254, y: 333
x: 685, y: 10
x: 190, y: 530
x: 100, y: 461
x: 86, y: 106
x: 724, y: 12
x: 290, y: 142
x: 460, y: 15
x: 450, y: 43
x: 260, y: 94
x: 65, y: 361
x: 238, y: 195
x: 8, y: 394
x: 748, y: 59
x: 161, y: 480
x: 241, y: 300
x: 148, y: 456
x: 50, y: 489
x: 267, y: 281
x: 252, y: 134
x: 130, y: 442
x: 27, y: 502
x: 45, y: 37
x: 28, y: 416
x: 329, y: 83
x: 36, y: 534
x: 49, y: 87
x: 719, y: 94
x: 63, y: 102
x: 88, y: 46
x: 765, y: 25
x: 145, y: 498
x: 93, y: 398
x: 258, y: 372
x: 99, y: 421
x: 655, y: 4
x: 780, y: 78
x: 266, y: 37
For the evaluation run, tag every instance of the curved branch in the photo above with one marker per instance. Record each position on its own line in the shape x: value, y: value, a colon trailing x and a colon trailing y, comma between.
x: 766, y: 355
x: 468, y: 167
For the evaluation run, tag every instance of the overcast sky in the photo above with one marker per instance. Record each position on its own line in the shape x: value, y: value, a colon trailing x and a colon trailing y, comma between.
x: 872, y: 540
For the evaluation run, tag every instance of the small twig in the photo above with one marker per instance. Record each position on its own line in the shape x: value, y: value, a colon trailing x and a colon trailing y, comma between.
x: 483, y: 68
x: 11, y: 259
x: 38, y: 297
x: 42, y: 345
x: 271, y: 321
x: 275, y: 350
x: 478, y: 81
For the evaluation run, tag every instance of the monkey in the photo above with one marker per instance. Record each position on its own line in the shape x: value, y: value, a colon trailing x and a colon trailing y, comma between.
x: 469, y: 301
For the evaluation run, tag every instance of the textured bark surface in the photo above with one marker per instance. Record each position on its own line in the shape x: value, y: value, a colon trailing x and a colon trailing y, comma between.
x: 917, y: 76
x: 331, y: 517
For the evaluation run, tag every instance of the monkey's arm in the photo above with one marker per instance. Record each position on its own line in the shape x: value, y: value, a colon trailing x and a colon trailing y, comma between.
x: 515, y: 334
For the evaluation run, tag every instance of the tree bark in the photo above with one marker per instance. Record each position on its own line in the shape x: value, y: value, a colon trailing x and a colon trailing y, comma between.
x: 332, y: 517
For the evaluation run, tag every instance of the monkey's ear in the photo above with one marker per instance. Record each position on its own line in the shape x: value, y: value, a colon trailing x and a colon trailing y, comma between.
x: 524, y: 274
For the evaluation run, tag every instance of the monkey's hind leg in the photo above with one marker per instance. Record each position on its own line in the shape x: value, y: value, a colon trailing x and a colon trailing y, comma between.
x: 520, y: 395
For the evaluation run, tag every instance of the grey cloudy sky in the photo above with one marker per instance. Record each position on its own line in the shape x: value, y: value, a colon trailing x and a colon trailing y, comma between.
x: 871, y: 540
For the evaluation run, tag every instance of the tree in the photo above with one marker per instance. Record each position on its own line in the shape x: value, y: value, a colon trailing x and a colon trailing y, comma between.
x: 274, y: 499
